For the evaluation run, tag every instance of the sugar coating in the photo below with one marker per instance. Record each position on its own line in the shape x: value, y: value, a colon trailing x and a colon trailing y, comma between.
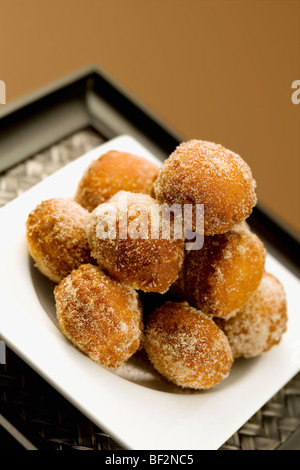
x: 200, y: 172
x: 112, y: 172
x: 241, y: 311
x: 221, y: 277
x: 187, y: 347
x: 260, y: 324
x: 99, y: 315
x: 56, y: 237
x: 147, y: 264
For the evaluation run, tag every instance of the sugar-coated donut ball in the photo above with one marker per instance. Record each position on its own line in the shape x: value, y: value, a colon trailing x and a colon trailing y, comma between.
x: 221, y: 277
x: 56, y: 237
x: 187, y: 347
x: 260, y: 324
x: 112, y: 172
x: 128, y: 242
x: 99, y: 315
x: 200, y: 172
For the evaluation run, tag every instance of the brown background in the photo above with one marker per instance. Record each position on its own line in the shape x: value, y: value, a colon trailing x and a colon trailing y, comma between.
x: 214, y: 70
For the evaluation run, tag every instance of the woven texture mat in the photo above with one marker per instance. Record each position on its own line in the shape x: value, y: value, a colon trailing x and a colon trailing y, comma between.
x: 48, y: 420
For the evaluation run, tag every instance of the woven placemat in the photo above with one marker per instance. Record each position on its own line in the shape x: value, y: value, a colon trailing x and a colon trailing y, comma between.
x: 48, y: 420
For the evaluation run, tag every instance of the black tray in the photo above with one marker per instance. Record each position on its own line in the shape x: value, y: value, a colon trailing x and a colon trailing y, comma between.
x: 89, y: 99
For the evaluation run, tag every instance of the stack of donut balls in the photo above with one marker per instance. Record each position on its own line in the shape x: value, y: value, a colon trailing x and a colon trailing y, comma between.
x: 212, y: 305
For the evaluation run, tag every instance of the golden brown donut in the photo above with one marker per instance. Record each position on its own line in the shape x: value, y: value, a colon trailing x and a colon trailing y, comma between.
x: 187, y: 347
x: 221, y: 277
x: 145, y: 263
x: 56, y: 237
x: 99, y: 315
x: 200, y: 172
x: 112, y: 172
x: 260, y: 324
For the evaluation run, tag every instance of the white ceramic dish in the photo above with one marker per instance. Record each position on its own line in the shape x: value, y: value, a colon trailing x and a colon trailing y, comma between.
x: 134, y: 405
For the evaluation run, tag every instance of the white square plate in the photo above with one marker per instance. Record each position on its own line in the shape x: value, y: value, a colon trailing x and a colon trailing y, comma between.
x: 136, y: 407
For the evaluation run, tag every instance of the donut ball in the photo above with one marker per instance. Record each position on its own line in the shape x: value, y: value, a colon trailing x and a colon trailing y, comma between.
x: 221, y: 277
x: 129, y: 242
x: 200, y: 172
x: 56, y: 237
x: 260, y: 324
x: 99, y: 315
x: 112, y: 172
x: 187, y: 347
